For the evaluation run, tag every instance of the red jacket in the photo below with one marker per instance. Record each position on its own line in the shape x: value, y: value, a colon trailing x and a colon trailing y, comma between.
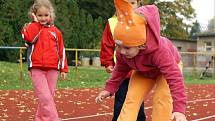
x: 46, y: 48
x: 107, y: 49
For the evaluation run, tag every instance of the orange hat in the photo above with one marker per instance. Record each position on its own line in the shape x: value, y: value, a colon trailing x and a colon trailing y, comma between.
x: 131, y: 27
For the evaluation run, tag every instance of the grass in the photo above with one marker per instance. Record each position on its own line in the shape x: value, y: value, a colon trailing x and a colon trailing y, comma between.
x: 83, y: 77
x: 195, y: 79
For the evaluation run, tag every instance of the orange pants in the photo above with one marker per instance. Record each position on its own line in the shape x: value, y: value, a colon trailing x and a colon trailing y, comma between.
x: 139, y: 87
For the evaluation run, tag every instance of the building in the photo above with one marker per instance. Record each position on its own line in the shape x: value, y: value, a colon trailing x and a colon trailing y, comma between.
x: 206, y: 46
x: 186, y: 46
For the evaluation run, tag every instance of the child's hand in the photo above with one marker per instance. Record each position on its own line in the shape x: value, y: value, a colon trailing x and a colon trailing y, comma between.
x: 109, y: 69
x: 49, y: 21
x: 63, y: 75
x: 103, y: 94
x: 34, y: 17
x: 178, y: 116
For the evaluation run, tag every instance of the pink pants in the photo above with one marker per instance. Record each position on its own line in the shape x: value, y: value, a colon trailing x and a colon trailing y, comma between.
x: 44, y: 83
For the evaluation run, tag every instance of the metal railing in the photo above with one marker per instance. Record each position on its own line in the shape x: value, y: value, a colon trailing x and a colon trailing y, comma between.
x: 186, y: 57
x: 68, y: 49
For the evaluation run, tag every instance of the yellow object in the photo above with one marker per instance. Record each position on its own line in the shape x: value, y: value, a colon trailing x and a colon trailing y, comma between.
x: 112, y: 23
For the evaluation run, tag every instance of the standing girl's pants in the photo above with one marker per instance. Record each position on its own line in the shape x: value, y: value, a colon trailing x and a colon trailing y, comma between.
x: 139, y: 87
x: 44, y: 83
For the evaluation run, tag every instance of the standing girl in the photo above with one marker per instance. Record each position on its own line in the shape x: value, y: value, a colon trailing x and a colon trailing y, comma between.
x: 46, y: 55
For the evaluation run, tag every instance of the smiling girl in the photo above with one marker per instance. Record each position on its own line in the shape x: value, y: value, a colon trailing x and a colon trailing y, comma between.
x: 45, y: 57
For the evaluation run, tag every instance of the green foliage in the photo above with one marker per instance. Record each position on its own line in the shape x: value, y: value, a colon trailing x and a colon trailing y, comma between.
x: 77, y: 25
x: 79, y: 28
x: 195, y: 30
x: 211, y: 26
x: 102, y: 8
x: 12, y: 18
x: 174, y: 16
x: 98, y: 25
x: 82, y: 21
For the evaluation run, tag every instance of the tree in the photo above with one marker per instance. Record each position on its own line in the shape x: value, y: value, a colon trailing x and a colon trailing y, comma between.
x: 195, y: 29
x: 12, y: 18
x: 76, y: 24
x: 98, y: 8
x: 77, y: 18
x: 98, y: 28
x: 173, y: 16
x: 63, y: 20
x: 211, y: 25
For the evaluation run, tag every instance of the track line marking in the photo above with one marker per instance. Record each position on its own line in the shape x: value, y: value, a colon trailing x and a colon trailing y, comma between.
x: 200, y: 100
x: 81, y: 117
x: 200, y: 119
x: 90, y: 116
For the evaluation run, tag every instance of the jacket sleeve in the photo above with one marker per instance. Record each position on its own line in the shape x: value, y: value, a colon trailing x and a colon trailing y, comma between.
x: 107, y: 49
x: 172, y: 73
x: 62, y: 53
x: 120, y: 72
x: 31, y: 32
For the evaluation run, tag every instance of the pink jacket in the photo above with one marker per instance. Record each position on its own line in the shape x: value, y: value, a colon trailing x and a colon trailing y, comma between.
x: 159, y: 57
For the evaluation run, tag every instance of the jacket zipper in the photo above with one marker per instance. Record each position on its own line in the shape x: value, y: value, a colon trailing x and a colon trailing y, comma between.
x: 43, y: 63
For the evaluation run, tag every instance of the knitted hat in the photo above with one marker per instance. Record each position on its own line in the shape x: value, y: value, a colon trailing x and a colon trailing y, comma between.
x: 131, y: 27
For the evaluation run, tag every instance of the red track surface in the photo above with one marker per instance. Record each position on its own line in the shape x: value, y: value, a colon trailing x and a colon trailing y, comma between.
x: 79, y: 105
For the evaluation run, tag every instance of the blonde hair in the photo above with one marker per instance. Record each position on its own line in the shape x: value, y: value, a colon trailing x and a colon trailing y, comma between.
x: 42, y: 3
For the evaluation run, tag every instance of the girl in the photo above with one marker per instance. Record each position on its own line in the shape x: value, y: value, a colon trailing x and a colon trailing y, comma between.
x: 46, y: 55
x: 155, y: 61
x: 107, y: 58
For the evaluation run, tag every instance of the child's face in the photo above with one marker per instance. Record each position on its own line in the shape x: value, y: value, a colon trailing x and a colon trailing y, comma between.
x: 134, y: 3
x: 129, y: 52
x: 43, y: 15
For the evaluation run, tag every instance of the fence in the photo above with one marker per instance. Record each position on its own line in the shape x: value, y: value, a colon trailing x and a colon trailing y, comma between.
x: 198, y: 62
x: 193, y: 61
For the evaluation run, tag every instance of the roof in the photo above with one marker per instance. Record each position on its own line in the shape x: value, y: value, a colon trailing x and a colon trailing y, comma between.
x: 184, y: 40
x: 206, y: 34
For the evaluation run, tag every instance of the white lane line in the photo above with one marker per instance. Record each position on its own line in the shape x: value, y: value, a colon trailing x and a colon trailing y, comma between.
x: 200, y: 119
x: 87, y: 116
x: 200, y: 100
x: 90, y: 116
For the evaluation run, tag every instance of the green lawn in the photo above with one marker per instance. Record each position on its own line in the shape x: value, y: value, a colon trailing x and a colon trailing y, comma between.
x: 83, y: 77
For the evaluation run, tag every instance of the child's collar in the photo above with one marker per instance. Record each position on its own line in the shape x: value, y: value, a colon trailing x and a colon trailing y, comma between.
x: 47, y: 25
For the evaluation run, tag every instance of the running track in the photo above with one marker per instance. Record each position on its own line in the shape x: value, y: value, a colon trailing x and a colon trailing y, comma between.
x: 79, y: 105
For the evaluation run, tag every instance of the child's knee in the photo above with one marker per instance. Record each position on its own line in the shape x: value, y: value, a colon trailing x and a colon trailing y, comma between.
x: 162, y: 98
x: 45, y: 98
